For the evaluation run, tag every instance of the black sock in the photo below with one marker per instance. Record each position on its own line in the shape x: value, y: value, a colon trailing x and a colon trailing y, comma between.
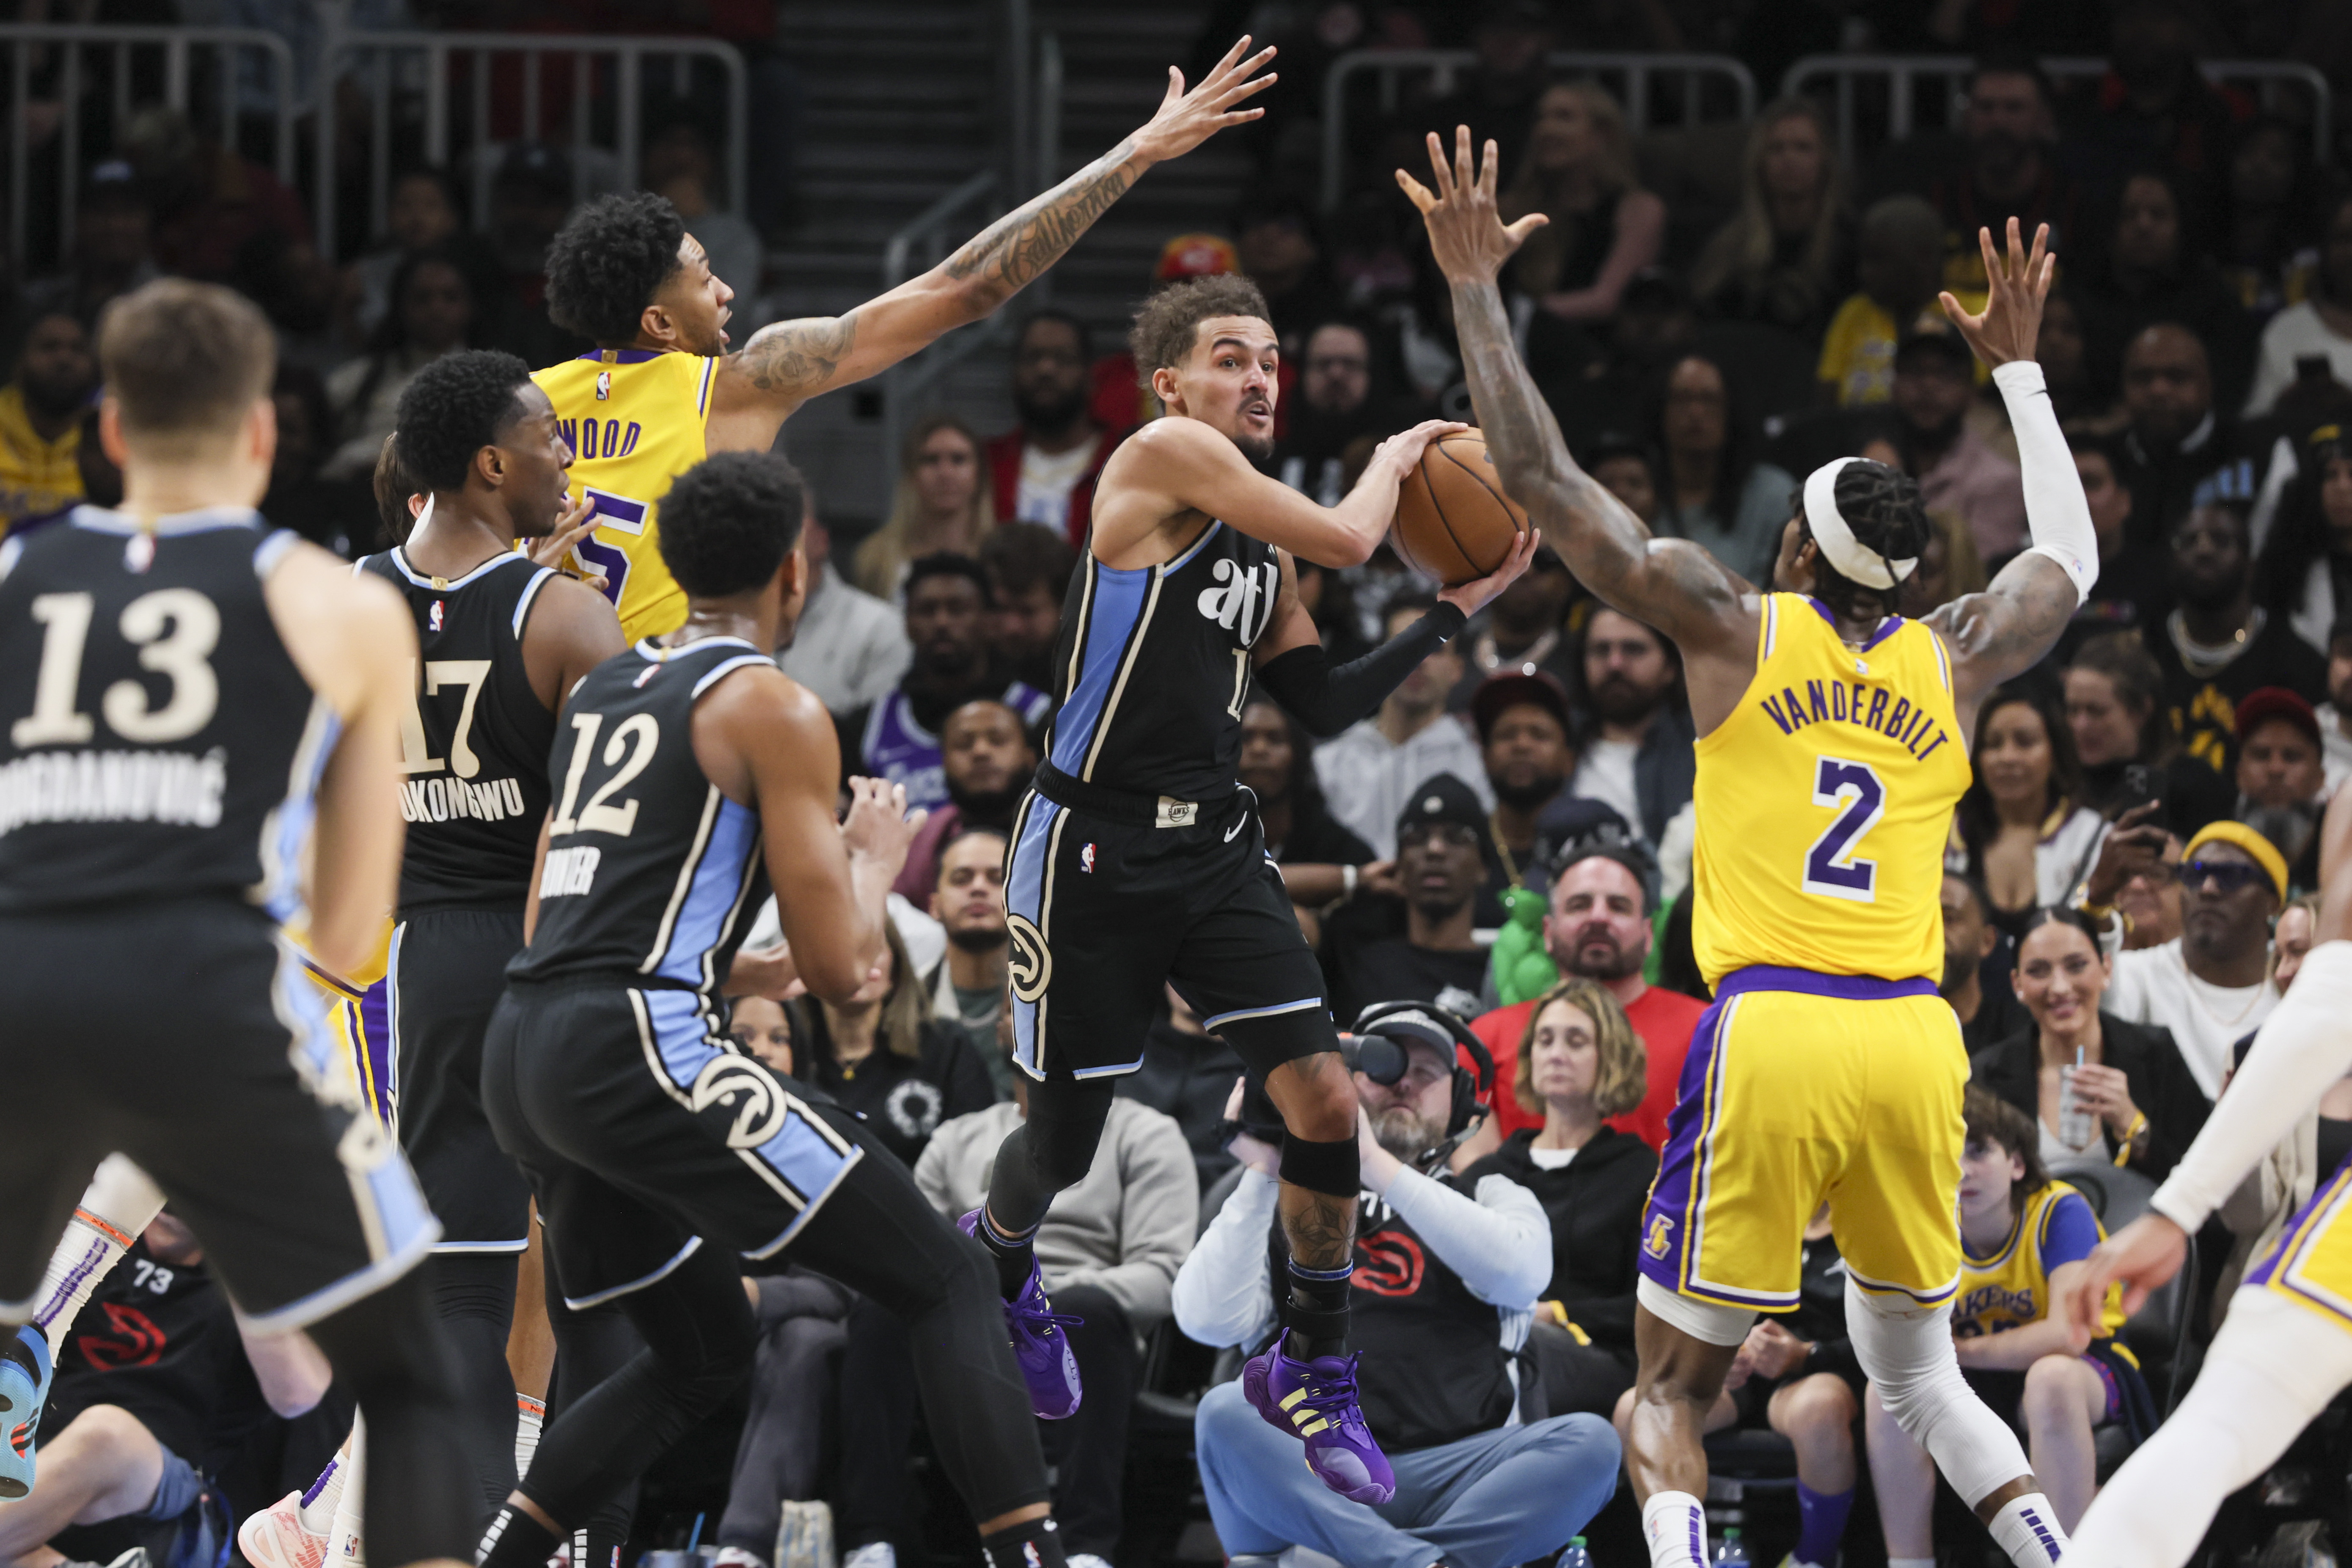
x: 1014, y: 1255
x: 515, y: 1540
x: 1317, y: 1314
x: 1036, y: 1544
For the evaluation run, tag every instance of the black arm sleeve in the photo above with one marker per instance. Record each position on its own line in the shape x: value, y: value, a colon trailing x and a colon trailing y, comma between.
x: 1327, y: 700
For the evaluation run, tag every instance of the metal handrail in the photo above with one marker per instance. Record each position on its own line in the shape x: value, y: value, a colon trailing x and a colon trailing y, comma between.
x: 1903, y: 73
x: 628, y: 56
x: 1640, y: 71
x: 178, y: 44
x: 928, y: 233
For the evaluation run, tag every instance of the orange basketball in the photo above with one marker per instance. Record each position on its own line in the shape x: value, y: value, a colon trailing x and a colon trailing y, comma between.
x: 1453, y: 522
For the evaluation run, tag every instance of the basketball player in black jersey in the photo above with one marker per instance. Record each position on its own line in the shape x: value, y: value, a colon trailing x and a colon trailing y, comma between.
x: 1137, y: 859
x: 502, y: 640
x: 688, y: 776
x: 199, y: 739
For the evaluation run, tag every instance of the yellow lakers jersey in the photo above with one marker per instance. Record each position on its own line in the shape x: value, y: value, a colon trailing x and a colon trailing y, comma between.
x: 2011, y: 1287
x: 1823, y: 799
x: 633, y: 419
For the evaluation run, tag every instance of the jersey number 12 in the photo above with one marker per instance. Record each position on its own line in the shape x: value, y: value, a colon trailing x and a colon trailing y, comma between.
x: 1855, y: 791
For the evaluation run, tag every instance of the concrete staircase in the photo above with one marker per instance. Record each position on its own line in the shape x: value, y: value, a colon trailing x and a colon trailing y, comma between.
x: 900, y: 108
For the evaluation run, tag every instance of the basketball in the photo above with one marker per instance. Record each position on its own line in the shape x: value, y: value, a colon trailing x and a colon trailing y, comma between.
x: 1453, y: 522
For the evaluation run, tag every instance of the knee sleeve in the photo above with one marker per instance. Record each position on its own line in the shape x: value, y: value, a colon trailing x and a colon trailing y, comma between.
x: 1907, y: 1351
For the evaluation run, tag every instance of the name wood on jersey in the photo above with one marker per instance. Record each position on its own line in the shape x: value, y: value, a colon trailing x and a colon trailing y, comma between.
x: 439, y: 799
x: 1872, y: 706
x: 174, y: 787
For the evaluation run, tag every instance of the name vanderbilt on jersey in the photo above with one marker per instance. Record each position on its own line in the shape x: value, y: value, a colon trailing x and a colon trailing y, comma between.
x: 1823, y: 802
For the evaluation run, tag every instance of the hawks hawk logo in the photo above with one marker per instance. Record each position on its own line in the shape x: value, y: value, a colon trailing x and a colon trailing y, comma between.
x: 759, y: 1105
x: 1032, y: 963
x: 135, y: 1340
x: 1661, y: 1238
x: 1389, y: 1264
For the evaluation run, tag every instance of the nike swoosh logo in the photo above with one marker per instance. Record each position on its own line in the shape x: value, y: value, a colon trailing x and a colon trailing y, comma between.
x: 1236, y: 828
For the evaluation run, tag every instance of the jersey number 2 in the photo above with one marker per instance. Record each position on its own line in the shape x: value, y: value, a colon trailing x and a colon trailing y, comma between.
x: 1854, y: 790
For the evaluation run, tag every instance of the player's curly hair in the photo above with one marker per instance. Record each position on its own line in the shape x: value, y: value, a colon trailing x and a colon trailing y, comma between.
x: 454, y: 408
x: 607, y: 263
x: 728, y: 523
x: 1883, y: 507
x: 1168, y: 323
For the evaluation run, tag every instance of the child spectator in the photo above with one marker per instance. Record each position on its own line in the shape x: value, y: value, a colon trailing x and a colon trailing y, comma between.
x: 1901, y: 266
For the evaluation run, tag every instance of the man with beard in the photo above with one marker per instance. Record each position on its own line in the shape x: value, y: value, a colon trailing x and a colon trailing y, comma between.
x: 1523, y: 631
x: 967, y: 989
x: 986, y: 758
x: 1438, y: 871
x: 1522, y: 728
x: 1046, y: 467
x: 2006, y: 168
x: 2281, y: 781
x: 1934, y: 382
x: 1445, y: 1284
x: 1371, y: 771
x: 1988, y: 1014
x: 40, y: 419
x: 1028, y: 572
x: 2177, y: 446
x: 2218, y: 647
x: 1636, y: 752
x: 897, y: 738
x: 1604, y: 901
x: 1335, y: 410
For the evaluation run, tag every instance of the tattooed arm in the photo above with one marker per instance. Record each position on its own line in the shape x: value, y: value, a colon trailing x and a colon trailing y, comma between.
x: 787, y: 363
x: 1669, y: 583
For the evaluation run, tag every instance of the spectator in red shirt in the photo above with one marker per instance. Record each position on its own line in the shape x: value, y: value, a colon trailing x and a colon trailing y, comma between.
x: 1599, y: 928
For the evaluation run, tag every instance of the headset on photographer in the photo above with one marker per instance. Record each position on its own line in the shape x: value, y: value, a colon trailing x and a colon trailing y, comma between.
x: 1376, y: 1047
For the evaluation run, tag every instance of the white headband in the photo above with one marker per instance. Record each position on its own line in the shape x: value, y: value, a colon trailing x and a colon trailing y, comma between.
x: 1838, y: 545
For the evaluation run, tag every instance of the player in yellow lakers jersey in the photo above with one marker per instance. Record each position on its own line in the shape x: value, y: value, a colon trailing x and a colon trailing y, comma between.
x: 1829, y: 758
x: 661, y: 391
x: 2285, y: 1348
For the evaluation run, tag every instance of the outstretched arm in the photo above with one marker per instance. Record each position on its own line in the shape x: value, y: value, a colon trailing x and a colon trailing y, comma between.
x: 786, y: 363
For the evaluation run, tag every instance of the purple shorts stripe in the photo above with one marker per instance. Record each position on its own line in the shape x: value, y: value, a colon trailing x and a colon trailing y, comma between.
x: 1808, y: 982
x: 1665, y: 1255
x: 2292, y: 1238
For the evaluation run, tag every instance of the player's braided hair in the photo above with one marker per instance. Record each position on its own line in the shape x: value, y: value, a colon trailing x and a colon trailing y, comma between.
x: 607, y: 263
x: 451, y: 410
x: 728, y: 523
x: 1882, y: 506
x: 1169, y: 324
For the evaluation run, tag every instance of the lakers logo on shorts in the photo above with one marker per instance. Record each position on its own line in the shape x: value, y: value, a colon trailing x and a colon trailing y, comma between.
x: 1661, y: 1238
x: 1032, y: 963
x: 760, y: 1108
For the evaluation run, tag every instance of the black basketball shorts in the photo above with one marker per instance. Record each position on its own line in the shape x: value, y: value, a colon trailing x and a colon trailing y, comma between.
x: 1105, y: 912
x: 644, y: 1134
x: 447, y: 971
x: 185, y: 1035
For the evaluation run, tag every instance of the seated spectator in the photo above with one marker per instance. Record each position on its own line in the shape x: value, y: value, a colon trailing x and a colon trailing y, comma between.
x: 1187, y: 1075
x: 2154, y: 107
x: 530, y: 195
x: 1579, y: 1064
x: 967, y: 989
x: 2336, y: 714
x: 1029, y: 570
x: 986, y: 759
x: 1279, y: 241
x: 942, y: 505
x: 424, y: 210
x: 2305, y: 565
x: 2151, y: 902
x: 679, y: 165
x: 884, y: 1057
x: 1578, y: 172
x: 1335, y: 410
x: 2021, y: 829
x: 1523, y: 727
x: 2320, y: 325
x: 2117, y: 712
x: 1110, y: 1249
x: 2092, y: 1085
x: 1600, y: 927
x: 898, y: 736
x: 1949, y: 567
x: 1635, y: 751
x: 1783, y: 258
x: 2131, y: 593
x: 2023, y: 1237
x: 1716, y: 493
x: 2007, y: 168
x: 2083, y: 404
x: 158, y: 1386
x: 2269, y: 246
x: 1369, y: 770
x: 1438, y: 958
x: 1957, y: 473
x: 1988, y: 1010
x: 2179, y: 449
x: 1623, y: 467
x: 113, y: 248
x: 40, y: 419
x: 1044, y: 470
x: 432, y: 314
x: 2219, y: 646
x: 765, y: 1029
x: 2153, y: 272
x: 1496, y: 96
x: 1900, y: 265
x: 2281, y: 782
x: 213, y: 209
x: 1476, y: 1485
x: 1522, y: 631
x: 2210, y: 986
x: 849, y: 646
x: 299, y: 498
x: 1319, y: 859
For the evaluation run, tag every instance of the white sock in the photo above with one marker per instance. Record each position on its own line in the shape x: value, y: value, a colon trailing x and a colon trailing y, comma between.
x: 316, y: 1509
x: 346, y: 1541
x: 1674, y: 1524
x: 529, y: 1415
x: 119, y: 1204
x: 2027, y: 1529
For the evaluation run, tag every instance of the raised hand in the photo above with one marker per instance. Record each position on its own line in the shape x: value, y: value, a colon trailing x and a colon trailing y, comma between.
x: 1404, y: 449
x: 578, y: 522
x: 2016, y: 285
x: 1185, y: 120
x: 1473, y: 595
x: 877, y: 827
x: 1467, y: 232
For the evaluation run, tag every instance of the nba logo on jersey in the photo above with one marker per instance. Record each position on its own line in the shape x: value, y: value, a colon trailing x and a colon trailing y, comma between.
x: 1087, y: 858
x: 433, y: 617
x: 603, y: 385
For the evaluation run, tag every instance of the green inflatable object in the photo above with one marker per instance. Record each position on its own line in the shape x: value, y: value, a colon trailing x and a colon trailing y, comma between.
x: 1523, y: 970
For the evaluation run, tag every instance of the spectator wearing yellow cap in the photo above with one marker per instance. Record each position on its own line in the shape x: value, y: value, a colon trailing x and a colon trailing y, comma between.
x: 2211, y: 984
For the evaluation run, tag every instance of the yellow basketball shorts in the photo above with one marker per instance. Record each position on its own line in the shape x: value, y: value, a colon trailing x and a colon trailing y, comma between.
x: 1799, y: 1087
x: 2312, y: 1263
